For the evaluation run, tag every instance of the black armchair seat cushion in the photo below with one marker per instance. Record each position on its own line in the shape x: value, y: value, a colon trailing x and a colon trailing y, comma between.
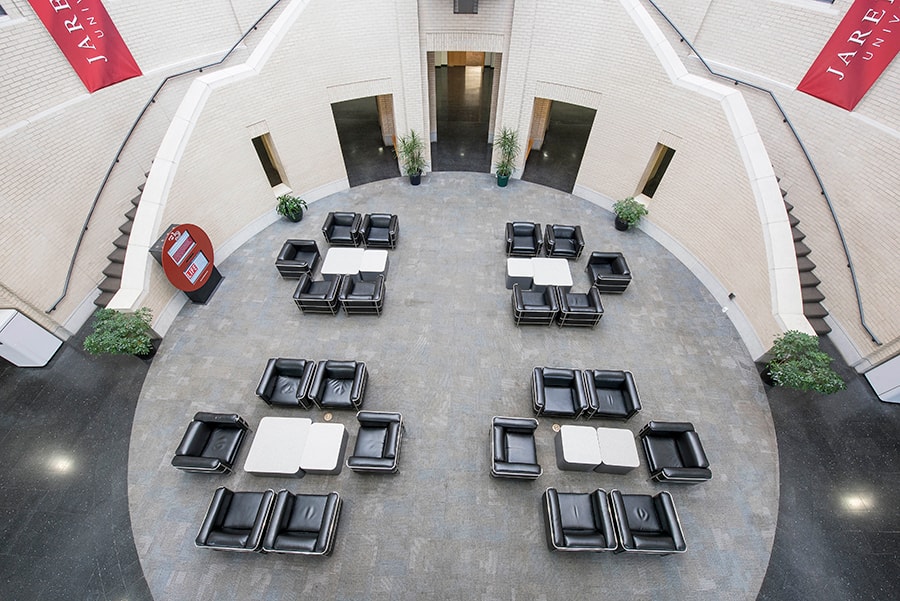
x: 211, y: 443
x: 578, y: 521
x: 558, y: 392
x: 285, y: 382
x: 236, y: 521
x: 339, y: 384
x: 565, y: 241
x: 523, y: 239
x: 513, y: 448
x: 612, y: 394
x: 674, y: 452
x: 313, y: 296
x: 647, y: 524
x: 341, y: 228
x: 303, y: 524
x: 380, y: 230
x: 297, y: 257
x: 377, y: 446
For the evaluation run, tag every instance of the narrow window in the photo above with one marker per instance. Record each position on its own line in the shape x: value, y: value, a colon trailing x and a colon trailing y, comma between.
x: 465, y: 7
x: 2, y: 12
x: 662, y: 156
x: 266, y: 153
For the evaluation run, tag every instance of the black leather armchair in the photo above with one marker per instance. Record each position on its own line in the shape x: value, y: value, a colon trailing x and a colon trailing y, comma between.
x: 674, y: 452
x: 297, y: 257
x: 558, y: 392
x: 608, y: 272
x: 339, y: 385
x: 377, y: 446
x: 647, y: 524
x: 342, y: 228
x: 380, y: 230
x: 359, y: 297
x: 236, y: 521
x: 513, y: 453
x: 536, y: 308
x: 211, y: 443
x: 580, y: 308
x: 612, y: 394
x: 317, y: 296
x: 564, y: 241
x: 285, y: 382
x: 303, y: 524
x: 578, y: 521
x: 523, y: 239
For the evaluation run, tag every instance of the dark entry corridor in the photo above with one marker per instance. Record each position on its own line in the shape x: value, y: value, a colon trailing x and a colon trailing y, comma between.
x: 366, y: 157
x: 463, y: 114
x: 557, y: 163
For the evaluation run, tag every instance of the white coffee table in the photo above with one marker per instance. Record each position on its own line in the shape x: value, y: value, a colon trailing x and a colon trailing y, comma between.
x: 519, y: 271
x: 278, y: 446
x: 324, y: 450
x: 618, y: 451
x: 341, y: 261
x: 551, y: 272
x: 577, y: 448
x: 372, y: 264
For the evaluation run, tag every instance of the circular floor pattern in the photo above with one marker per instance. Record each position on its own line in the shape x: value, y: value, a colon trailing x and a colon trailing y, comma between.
x: 447, y: 355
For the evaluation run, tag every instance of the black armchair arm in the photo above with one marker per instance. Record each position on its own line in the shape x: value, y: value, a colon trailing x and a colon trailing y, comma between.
x: 361, y: 375
x: 581, y: 397
x: 626, y: 537
x: 551, y: 498
x: 375, y: 418
x: 267, y: 381
x: 517, y: 469
x: 550, y: 238
x: 579, y: 237
x: 540, y: 399
x: 210, y: 464
x: 701, y: 474
x: 214, y: 516
x: 666, y: 508
x: 673, y: 427
x: 329, y: 222
x: 221, y: 418
x: 692, y: 450
x: 376, y: 463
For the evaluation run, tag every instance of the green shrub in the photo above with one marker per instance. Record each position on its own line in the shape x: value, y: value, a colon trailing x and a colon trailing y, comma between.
x: 118, y: 333
x: 798, y: 363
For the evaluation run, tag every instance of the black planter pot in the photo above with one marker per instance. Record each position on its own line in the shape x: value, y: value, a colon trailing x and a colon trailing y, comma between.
x: 294, y: 217
x: 154, y: 346
x: 502, y: 180
x: 415, y: 179
x: 766, y: 376
x: 621, y: 225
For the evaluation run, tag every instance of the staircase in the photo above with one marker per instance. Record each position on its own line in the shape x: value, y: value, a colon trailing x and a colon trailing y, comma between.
x: 809, y: 284
x: 113, y: 272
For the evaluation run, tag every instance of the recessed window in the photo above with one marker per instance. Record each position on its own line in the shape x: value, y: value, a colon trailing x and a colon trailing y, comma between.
x: 265, y: 150
x: 465, y: 7
x: 2, y: 12
x: 662, y: 156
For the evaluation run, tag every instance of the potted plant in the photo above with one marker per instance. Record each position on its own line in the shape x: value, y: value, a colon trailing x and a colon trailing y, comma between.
x: 118, y: 333
x: 798, y: 363
x: 507, y: 144
x: 628, y: 213
x: 411, y: 152
x: 290, y: 207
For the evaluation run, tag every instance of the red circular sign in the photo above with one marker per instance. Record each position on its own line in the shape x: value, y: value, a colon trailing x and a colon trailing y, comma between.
x: 187, y: 257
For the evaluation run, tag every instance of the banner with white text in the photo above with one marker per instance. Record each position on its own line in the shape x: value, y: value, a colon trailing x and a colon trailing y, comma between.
x: 89, y: 40
x: 858, y: 52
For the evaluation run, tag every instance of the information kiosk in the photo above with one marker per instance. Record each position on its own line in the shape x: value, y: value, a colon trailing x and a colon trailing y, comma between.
x: 187, y: 259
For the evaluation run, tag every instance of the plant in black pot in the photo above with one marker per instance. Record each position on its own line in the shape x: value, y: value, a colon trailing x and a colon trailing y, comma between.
x: 798, y: 363
x: 290, y: 207
x: 118, y: 333
x: 628, y: 212
x: 507, y: 144
x: 411, y: 152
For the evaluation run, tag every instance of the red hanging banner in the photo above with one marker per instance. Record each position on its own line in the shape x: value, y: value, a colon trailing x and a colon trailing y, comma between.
x: 89, y: 40
x: 860, y: 49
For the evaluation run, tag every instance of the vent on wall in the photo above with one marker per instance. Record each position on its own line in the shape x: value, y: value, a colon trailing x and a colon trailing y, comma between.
x: 465, y: 7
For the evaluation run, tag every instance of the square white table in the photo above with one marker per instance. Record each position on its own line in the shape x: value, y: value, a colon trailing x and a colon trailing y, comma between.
x: 519, y: 271
x: 551, y: 272
x: 577, y: 448
x: 278, y: 446
x: 341, y: 261
x: 372, y: 264
x: 618, y: 451
x: 324, y: 450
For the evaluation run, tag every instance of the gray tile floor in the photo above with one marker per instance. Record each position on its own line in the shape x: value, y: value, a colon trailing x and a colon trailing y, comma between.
x: 446, y: 354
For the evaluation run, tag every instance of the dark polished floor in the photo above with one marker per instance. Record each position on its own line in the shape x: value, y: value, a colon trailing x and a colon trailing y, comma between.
x: 463, y: 97
x: 557, y: 162
x: 366, y: 158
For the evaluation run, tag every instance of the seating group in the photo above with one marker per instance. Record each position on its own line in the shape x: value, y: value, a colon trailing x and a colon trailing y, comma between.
x: 594, y: 394
x: 553, y: 304
x: 525, y: 239
x: 596, y: 521
x: 302, y: 383
x: 372, y: 230
x: 261, y: 521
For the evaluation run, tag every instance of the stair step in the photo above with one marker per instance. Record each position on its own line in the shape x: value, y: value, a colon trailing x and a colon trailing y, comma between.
x: 804, y: 264
x: 117, y: 256
x: 130, y: 214
x: 141, y: 186
x: 819, y: 326
x: 787, y: 205
x: 814, y: 310
x: 121, y: 241
x: 793, y: 220
x: 114, y: 270
x: 110, y: 284
x: 801, y: 250
x: 812, y: 294
x: 798, y: 234
x: 104, y: 298
x: 136, y: 200
x: 125, y: 228
x: 783, y: 194
x: 809, y: 280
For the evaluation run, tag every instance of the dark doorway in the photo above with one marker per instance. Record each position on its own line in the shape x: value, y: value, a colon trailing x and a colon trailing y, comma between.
x: 366, y: 157
x: 463, y: 97
x: 558, y: 160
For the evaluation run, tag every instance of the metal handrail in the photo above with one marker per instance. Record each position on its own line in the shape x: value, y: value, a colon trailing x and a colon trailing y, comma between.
x: 87, y: 220
x: 837, y: 223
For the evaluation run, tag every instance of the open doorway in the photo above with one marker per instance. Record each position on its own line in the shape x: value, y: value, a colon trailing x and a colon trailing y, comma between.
x: 559, y: 135
x: 366, y: 144
x: 463, y: 84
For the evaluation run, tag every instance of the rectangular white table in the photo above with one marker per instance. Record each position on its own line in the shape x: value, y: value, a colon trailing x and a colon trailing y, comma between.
x: 577, y: 448
x: 341, y: 261
x: 551, y: 272
x: 618, y: 451
x: 324, y: 450
x: 278, y: 446
x: 373, y: 263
